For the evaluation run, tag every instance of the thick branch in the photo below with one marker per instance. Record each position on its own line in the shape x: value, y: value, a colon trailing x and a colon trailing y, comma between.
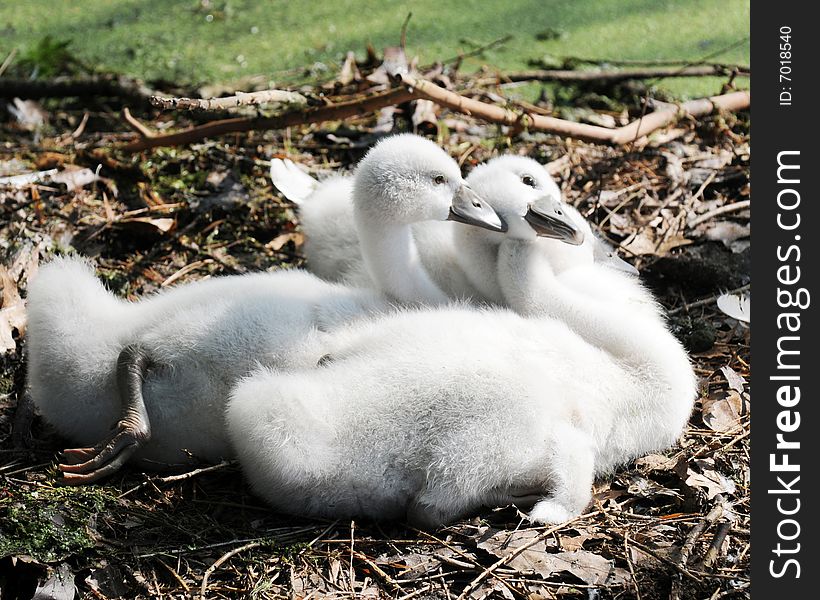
x: 343, y: 110
x: 590, y: 133
x: 614, y: 76
x: 240, y: 99
x: 415, y: 88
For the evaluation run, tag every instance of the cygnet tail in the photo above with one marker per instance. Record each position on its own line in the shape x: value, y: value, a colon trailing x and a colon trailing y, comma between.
x: 289, y: 179
x: 69, y: 310
x: 73, y: 338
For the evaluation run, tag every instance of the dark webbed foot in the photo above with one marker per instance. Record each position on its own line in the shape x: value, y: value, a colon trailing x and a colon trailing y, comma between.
x: 86, y: 465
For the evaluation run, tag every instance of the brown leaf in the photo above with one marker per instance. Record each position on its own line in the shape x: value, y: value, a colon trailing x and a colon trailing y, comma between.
x: 163, y: 225
x: 735, y: 381
x: 656, y: 462
x: 709, y: 479
x: 587, y: 566
x: 28, y: 113
x: 279, y: 241
x: 74, y: 177
x: 645, y: 488
x: 723, y: 414
x: 12, y: 312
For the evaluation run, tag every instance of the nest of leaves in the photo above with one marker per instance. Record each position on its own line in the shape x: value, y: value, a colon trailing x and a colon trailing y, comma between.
x: 674, y: 525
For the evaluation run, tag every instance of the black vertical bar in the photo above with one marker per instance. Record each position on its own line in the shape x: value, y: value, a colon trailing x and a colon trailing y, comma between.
x: 785, y: 252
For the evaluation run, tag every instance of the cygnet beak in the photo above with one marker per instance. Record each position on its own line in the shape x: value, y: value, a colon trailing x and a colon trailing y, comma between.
x: 608, y: 258
x: 468, y: 208
x: 547, y: 217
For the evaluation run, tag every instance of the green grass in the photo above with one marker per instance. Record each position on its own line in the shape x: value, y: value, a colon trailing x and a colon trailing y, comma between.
x: 201, y: 41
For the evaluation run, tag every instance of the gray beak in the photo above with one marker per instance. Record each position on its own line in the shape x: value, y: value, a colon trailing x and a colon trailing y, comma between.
x: 606, y: 256
x: 547, y: 217
x: 469, y: 209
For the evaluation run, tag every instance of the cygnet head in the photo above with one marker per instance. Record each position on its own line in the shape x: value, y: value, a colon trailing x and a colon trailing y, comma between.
x: 511, y: 184
x: 407, y: 178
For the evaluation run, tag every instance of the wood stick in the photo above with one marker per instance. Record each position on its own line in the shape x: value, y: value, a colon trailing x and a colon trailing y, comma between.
x: 721, y: 210
x: 240, y: 99
x: 343, y: 110
x: 697, y: 530
x: 717, y: 542
x: 420, y: 88
x: 614, y: 76
x: 221, y: 560
x: 590, y: 133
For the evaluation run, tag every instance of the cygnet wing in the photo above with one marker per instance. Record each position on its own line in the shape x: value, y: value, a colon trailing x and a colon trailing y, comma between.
x: 291, y: 180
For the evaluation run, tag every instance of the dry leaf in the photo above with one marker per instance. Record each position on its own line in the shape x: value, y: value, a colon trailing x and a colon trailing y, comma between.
x: 279, y: 241
x: 74, y: 177
x: 656, y: 462
x: 727, y: 232
x: 709, y: 479
x: 587, y: 566
x: 28, y: 113
x: 645, y: 488
x: 12, y: 312
x: 723, y: 414
x: 735, y: 381
x: 163, y: 225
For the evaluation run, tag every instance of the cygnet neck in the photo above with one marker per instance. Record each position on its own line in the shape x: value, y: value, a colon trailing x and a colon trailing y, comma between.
x: 393, y: 262
x: 633, y: 338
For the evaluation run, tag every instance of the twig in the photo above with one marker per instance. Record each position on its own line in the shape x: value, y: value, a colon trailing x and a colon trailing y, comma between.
x: 721, y: 210
x: 8, y: 60
x: 180, y: 477
x: 380, y: 573
x: 403, y: 39
x: 221, y: 560
x: 418, y: 592
x: 136, y: 124
x: 631, y: 567
x: 706, y: 301
x: 613, y: 76
x: 663, y: 559
x: 650, y: 63
x: 697, y: 530
x: 219, y: 104
x: 717, y: 542
x: 80, y: 128
x: 474, y: 52
x: 352, y: 574
x: 519, y: 550
x: 174, y: 574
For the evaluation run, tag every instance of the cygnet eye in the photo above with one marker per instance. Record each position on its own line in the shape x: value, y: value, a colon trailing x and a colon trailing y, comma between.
x: 439, y: 179
x: 528, y: 180
x: 559, y: 211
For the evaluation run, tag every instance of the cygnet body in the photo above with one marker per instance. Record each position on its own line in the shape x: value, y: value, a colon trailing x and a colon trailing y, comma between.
x: 430, y: 415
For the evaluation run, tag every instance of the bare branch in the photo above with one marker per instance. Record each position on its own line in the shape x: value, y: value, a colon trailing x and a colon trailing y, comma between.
x: 343, y: 110
x: 415, y: 88
x: 614, y: 76
x: 240, y: 99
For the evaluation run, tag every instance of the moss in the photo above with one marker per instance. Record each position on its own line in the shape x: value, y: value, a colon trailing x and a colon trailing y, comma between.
x: 49, y: 524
